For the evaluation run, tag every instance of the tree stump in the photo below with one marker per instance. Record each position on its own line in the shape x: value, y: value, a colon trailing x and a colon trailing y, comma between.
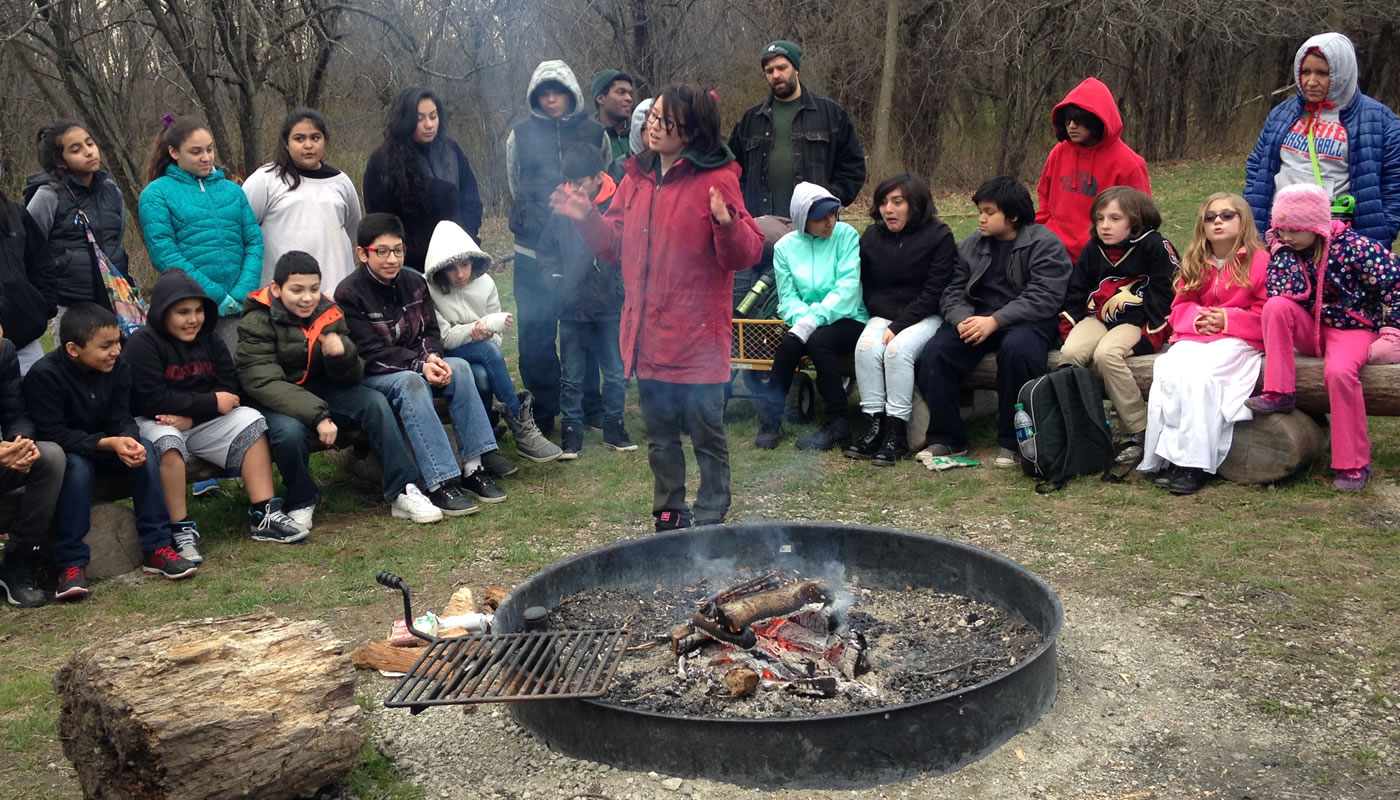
x: 1271, y: 447
x: 246, y: 706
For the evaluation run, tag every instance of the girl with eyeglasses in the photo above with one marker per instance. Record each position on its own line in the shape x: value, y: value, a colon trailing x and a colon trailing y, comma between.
x: 1200, y: 384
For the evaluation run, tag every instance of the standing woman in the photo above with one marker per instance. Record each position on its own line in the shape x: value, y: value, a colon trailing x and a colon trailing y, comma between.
x: 73, y: 181
x: 303, y: 203
x: 680, y: 230
x: 195, y: 219
x: 420, y: 175
x: 906, y: 259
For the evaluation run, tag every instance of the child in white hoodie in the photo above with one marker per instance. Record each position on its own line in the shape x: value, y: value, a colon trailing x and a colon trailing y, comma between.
x: 471, y: 322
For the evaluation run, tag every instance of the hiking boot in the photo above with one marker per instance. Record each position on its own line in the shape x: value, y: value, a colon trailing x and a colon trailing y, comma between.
x: 73, y: 584
x: 270, y: 524
x: 303, y: 517
x: 866, y: 446
x: 17, y: 581
x: 529, y: 441
x: 167, y: 563
x: 1188, y: 480
x: 895, y: 444
x: 1007, y: 458
x: 615, y: 436
x: 669, y: 520
x: 1352, y: 480
x: 1272, y: 402
x: 572, y: 437
x: 835, y: 433
x: 1129, y: 450
x: 413, y: 504
x: 483, y: 487
x: 497, y: 464
x: 186, y: 534
x: 1163, y: 478
x: 770, y: 430
x: 202, y: 488
x: 448, y: 499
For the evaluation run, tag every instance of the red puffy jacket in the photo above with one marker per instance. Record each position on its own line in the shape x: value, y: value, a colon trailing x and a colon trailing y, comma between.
x: 678, y: 264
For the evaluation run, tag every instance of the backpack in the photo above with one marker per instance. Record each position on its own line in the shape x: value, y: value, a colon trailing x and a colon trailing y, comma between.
x: 1070, y: 434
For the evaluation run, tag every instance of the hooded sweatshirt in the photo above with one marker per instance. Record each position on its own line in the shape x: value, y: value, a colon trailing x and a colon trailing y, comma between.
x: 818, y: 279
x: 1329, y: 136
x: 169, y: 376
x: 458, y: 310
x: 535, y: 152
x: 1075, y: 174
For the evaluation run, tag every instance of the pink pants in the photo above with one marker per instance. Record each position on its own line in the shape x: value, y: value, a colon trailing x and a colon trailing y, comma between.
x: 1288, y: 325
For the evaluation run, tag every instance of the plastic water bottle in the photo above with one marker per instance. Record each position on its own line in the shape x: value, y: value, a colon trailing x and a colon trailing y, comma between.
x: 1025, y: 433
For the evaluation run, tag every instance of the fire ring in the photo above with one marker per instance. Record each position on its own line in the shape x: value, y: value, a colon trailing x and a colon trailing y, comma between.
x: 848, y: 750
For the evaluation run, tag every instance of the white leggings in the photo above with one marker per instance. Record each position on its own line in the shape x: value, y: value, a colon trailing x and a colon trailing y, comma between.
x: 885, y: 372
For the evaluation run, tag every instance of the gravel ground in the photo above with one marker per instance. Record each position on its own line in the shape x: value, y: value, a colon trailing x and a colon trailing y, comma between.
x: 1141, y: 713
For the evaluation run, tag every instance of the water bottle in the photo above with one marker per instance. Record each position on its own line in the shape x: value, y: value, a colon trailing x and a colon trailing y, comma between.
x: 1025, y: 433
x: 760, y: 288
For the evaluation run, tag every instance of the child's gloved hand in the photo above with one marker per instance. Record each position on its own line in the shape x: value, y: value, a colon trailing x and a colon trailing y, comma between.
x: 229, y: 306
x: 1386, y: 349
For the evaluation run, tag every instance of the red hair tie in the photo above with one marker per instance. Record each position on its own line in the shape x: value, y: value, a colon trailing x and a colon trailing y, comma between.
x: 714, y: 96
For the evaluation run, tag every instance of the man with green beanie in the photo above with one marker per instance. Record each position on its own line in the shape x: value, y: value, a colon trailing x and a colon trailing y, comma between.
x: 612, y: 103
x: 794, y: 135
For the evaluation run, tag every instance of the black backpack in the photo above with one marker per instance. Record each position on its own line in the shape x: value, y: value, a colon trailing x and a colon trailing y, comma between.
x: 1071, y: 435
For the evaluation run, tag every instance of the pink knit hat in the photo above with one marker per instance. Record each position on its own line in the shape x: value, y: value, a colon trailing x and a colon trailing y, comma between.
x: 1303, y: 207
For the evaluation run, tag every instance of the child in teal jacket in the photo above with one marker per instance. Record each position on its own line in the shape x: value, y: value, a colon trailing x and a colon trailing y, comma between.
x: 817, y: 267
x: 195, y: 219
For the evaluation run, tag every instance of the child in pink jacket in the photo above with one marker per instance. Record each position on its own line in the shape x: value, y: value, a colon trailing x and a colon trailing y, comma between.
x: 1201, y: 383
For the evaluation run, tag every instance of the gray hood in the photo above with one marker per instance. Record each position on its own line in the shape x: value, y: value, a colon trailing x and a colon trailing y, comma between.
x: 635, y: 143
x: 804, y: 195
x: 559, y: 72
x: 1341, y: 61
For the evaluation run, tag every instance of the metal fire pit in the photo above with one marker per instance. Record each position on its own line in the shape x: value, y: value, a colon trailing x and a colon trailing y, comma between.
x: 848, y: 750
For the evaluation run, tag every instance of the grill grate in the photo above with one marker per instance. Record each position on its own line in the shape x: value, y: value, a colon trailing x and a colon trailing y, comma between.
x: 511, y: 667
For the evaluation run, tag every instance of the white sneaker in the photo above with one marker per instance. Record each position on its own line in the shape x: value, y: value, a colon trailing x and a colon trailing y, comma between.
x: 186, y: 535
x: 302, y: 517
x: 413, y: 504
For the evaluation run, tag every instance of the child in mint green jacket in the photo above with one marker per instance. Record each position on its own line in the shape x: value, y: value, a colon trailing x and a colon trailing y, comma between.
x: 193, y: 218
x: 817, y: 267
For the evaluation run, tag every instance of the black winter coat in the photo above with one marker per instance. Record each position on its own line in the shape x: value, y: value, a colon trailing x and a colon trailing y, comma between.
x: 28, y: 289
x: 903, y: 275
x: 451, y: 193
x: 169, y: 376
x: 825, y: 151
x: 54, y: 207
x: 588, y: 289
x: 14, y: 414
x: 74, y: 407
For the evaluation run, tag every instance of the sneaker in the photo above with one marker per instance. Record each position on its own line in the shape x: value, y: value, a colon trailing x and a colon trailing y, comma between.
x: 497, y: 464
x: 73, y: 584
x: 451, y: 502
x: 769, y: 432
x: 835, y: 433
x: 166, y: 562
x: 1352, y: 480
x: 1007, y: 458
x: 17, y: 581
x: 572, y: 437
x: 270, y: 524
x: 483, y: 487
x: 615, y: 437
x: 1188, y: 480
x: 940, y: 451
x: 187, y: 540
x: 1272, y: 402
x: 411, y: 504
x: 303, y: 517
x: 202, y: 488
x: 669, y: 520
x: 529, y: 441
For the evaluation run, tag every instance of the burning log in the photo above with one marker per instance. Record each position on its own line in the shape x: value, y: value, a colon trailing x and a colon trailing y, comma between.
x: 685, y: 639
x: 731, y: 620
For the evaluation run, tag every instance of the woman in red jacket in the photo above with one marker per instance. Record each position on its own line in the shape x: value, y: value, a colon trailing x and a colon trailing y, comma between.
x: 678, y: 226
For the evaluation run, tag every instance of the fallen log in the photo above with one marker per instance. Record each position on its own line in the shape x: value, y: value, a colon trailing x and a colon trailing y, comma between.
x: 1271, y: 447
x: 246, y: 706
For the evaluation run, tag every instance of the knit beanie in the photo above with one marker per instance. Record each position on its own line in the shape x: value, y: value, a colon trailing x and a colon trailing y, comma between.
x: 783, y: 48
x: 1303, y: 207
x: 604, y: 79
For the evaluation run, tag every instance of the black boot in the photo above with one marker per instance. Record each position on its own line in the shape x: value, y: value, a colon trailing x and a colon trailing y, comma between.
x: 770, y: 430
x: 896, y: 443
x: 835, y: 433
x: 866, y: 446
x: 17, y: 582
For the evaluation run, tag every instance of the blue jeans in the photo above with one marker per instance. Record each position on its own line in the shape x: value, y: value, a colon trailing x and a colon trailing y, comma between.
x: 489, y: 357
x: 580, y: 345
x: 73, y: 518
x: 351, y: 407
x: 411, y: 396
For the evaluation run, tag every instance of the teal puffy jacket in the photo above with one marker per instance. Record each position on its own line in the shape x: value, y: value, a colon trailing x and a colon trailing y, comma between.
x: 205, y: 227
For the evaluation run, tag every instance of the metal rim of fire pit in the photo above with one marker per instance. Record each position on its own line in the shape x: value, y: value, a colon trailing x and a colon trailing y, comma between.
x: 842, y: 750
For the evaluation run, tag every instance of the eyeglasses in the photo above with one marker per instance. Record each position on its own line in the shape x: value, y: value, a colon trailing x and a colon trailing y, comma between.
x: 1224, y: 216
x: 385, y: 252
x: 664, y: 124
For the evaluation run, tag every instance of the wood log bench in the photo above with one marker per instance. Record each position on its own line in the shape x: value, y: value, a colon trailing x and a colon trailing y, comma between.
x: 1266, y: 449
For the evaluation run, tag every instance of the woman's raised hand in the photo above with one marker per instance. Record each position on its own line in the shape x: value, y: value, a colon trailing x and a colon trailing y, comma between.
x: 718, y: 208
x: 570, y: 202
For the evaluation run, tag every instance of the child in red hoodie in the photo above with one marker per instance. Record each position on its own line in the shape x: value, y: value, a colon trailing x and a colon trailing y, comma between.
x: 1090, y: 157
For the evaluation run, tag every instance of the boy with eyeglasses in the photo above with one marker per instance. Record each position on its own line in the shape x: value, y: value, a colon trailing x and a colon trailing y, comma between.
x: 392, y: 322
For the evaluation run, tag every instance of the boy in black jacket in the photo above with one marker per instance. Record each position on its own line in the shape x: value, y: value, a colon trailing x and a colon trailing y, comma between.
x: 78, y: 398
x: 590, y: 310
x: 184, y: 393
x: 36, y: 466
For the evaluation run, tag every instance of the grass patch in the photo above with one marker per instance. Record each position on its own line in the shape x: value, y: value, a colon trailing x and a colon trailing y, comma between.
x: 1280, y: 709
x: 376, y: 778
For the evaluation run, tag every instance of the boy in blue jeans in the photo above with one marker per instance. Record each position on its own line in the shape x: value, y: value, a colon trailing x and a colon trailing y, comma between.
x: 78, y: 397
x: 590, y: 308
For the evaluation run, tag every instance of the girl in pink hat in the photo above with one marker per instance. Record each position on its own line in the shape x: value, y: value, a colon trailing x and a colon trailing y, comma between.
x: 1330, y: 289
